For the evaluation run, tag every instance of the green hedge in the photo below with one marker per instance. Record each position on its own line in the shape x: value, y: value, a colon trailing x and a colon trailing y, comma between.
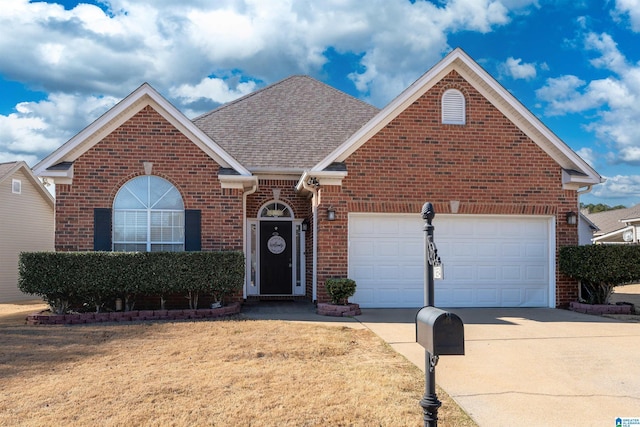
x: 600, y: 268
x: 67, y: 279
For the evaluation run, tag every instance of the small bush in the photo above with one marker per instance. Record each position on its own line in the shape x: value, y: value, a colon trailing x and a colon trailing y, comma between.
x: 600, y: 268
x: 340, y: 290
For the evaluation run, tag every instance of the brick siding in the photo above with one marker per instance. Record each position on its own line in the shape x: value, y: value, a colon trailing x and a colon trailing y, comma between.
x: 489, y: 165
x: 147, y: 137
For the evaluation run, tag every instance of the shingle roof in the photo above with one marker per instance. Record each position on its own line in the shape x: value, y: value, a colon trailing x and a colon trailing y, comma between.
x: 609, y: 221
x: 290, y: 125
x: 5, y: 168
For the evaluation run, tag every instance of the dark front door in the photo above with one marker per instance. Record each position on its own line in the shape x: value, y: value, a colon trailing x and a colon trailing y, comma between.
x: 275, y: 258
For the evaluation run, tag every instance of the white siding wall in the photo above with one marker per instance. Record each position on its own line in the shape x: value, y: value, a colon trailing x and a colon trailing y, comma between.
x: 26, y: 225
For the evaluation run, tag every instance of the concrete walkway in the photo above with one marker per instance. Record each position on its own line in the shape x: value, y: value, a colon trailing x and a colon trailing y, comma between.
x: 522, y: 367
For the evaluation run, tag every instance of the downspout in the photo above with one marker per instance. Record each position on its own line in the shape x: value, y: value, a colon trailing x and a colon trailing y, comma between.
x: 250, y: 191
x: 314, y: 212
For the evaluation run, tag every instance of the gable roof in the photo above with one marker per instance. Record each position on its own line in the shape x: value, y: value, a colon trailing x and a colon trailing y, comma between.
x: 576, y: 172
x: 288, y: 126
x: 59, y: 164
x: 614, y: 221
x: 9, y: 169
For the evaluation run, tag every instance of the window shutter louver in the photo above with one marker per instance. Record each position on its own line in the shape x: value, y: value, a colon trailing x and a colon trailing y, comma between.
x: 192, y: 238
x: 102, y: 229
x: 453, y: 107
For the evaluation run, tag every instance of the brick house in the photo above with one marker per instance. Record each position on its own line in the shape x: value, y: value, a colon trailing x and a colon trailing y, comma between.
x: 311, y: 183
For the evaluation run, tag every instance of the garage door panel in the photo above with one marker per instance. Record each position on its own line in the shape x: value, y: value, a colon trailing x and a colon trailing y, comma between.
x: 488, y: 261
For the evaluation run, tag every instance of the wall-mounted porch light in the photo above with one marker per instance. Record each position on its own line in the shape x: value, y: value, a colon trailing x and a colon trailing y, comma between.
x: 305, y: 225
x: 572, y: 218
x: 331, y: 214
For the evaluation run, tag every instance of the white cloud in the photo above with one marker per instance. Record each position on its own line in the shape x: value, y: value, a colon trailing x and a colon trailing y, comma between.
x: 612, y: 102
x: 185, y: 47
x: 214, y: 89
x: 37, y: 128
x: 588, y: 155
x: 515, y: 69
x: 631, y: 8
x: 618, y: 187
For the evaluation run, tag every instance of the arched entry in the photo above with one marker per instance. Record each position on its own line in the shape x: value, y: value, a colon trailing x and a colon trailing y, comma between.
x: 276, y: 259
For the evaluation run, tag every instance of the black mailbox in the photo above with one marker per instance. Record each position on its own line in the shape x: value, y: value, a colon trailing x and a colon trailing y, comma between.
x: 440, y: 332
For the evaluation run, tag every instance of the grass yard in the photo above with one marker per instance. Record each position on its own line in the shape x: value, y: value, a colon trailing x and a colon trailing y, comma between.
x: 208, y: 373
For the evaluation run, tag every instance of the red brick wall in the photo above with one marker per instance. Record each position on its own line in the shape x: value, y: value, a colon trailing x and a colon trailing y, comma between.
x: 489, y: 165
x: 147, y: 137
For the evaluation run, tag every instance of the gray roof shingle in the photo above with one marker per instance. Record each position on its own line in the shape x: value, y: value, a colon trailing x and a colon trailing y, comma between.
x: 609, y: 221
x: 287, y: 126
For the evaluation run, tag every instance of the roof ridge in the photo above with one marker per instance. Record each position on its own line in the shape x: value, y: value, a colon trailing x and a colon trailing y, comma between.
x: 242, y: 98
x: 280, y: 82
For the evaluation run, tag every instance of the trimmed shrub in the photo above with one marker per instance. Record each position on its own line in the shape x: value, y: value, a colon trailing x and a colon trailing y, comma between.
x: 600, y: 268
x: 340, y: 290
x: 65, y: 279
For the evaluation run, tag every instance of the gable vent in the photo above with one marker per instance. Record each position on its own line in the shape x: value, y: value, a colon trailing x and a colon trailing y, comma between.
x: 453, y: 107
x: 16, y: 186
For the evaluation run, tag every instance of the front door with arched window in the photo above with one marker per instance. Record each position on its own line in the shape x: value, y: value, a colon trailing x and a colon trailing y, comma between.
x: 275, y: 252
x: 276, y: 249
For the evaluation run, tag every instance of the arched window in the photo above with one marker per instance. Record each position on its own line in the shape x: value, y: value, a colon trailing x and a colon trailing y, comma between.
x: 453, y: 107
x: 148, y: 216
x: 275, y: 210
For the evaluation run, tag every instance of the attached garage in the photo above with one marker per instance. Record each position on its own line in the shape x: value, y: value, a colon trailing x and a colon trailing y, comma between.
x: 489, y: 260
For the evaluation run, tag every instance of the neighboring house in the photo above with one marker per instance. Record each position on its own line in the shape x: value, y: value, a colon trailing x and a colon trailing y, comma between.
x: 586, y: 229
x: 311, y: 183
x: 26, y: 223
x: 617, y: 226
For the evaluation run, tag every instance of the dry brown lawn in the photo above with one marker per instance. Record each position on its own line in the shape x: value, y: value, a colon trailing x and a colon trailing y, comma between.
x: 208, y: 373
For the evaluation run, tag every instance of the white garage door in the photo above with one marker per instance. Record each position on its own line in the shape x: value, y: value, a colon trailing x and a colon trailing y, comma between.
x: 489, y: 261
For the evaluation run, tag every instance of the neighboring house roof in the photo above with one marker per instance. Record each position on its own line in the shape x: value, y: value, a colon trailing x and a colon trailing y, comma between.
x: 287, y: 126
x: 59, y: 164
x: 8, y: 170
x: 612, y: 224
x: 576, y: 172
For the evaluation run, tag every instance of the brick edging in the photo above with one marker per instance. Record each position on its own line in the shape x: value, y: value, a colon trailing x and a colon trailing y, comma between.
x: 601, y: 308
x: 132, y: 316
x: 326, y: 309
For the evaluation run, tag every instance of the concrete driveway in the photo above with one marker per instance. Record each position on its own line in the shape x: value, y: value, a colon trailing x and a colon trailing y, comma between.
x: 531, y: 367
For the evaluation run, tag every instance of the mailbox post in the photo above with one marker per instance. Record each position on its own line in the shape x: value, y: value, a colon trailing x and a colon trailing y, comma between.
x: 439, y: 332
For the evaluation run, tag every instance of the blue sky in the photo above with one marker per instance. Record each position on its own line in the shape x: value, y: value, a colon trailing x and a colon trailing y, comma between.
x: 574, y: 63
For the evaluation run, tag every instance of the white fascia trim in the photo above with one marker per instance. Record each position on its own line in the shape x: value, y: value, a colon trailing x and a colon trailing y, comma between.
x: 458, y: 60
x: 386, y: 115
x: 603, y: 237
x: 322, y: 178
x: 238, y: 181
x: 120, y: 113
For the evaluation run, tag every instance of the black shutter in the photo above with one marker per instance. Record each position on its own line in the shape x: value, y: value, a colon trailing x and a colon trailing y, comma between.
x: 102, y: 229
x: 192, y: 236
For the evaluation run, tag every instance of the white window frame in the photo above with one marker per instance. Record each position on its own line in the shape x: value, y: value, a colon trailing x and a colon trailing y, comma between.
x: 16, y: 186
x: 147, y: 213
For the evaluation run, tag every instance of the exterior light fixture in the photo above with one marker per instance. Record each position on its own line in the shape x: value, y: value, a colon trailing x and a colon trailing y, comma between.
x: 331, y: 214
x: 305, y: 225
x: 572, y: 218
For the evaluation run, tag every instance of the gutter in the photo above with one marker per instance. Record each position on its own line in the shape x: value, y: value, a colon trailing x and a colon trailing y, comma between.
x: 312, y: 188
x: 246, y: 193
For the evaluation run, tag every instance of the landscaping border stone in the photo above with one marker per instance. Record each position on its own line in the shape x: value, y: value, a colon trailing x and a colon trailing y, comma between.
x: 601, y: 309
x: 348, y: 310
x: 130, y: 316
